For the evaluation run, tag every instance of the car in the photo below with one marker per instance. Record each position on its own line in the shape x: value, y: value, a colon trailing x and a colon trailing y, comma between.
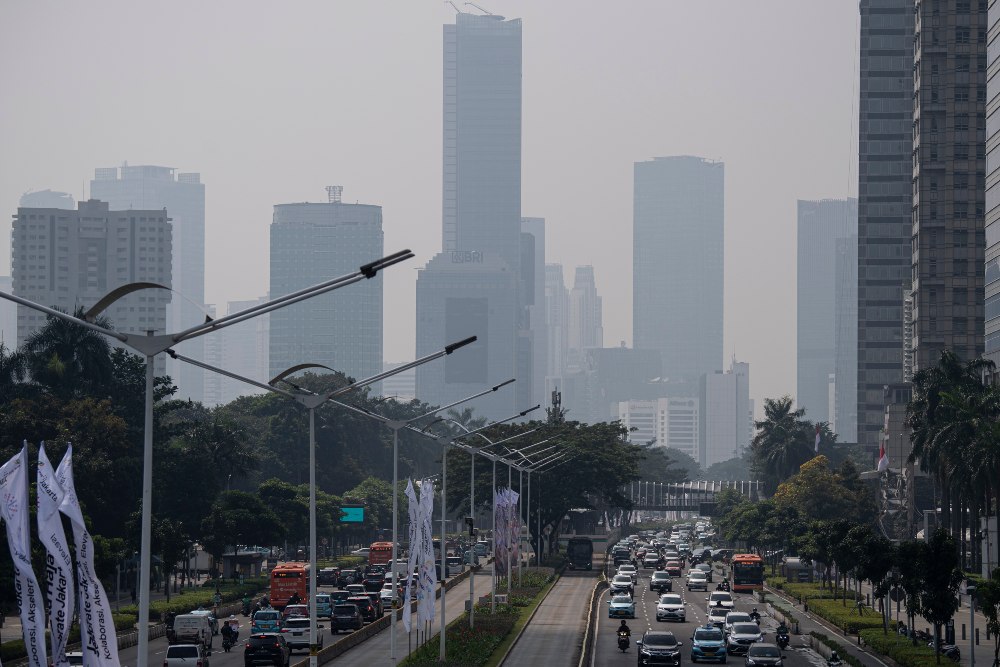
x: 265, y: 620
x: 670, y: 608
x: 338, y: 597
x: 621, y: 554
x: 327, y: 576
x: 621, y: 583
x: 707, y: 569
x: 650, y: 561
x: 386, y: 595
x: 349, y: 576
x: 741, y: 636
x: 658, y: 648
x: 178, y: 655
x: 717, y: 617
x: 324, y: 605
x: 376, y: 598
x: 297, y: 633
x: 482, y: 548
x: 630, y: 570
x: 621, y: 606
x: 734, y: 617
x: 363, y: 551
x: 673, y: 568
x: 721, y: 599
x: 696, y: 579
x: 764, y: 655
x: 707, y: 643
x: 364, y: 604
x: 76, y: 658
x: 212, y: 620
x: 294, y: 610
x: 346, y: 617
x: 373, y: 581
x: 267, y: 647
x: 355, y: 589
x: 661, y: 581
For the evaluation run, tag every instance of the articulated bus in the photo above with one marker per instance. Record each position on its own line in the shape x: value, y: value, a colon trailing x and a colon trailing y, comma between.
x: 286, y: 579
x: 380, y: 553
x: 748, y: 573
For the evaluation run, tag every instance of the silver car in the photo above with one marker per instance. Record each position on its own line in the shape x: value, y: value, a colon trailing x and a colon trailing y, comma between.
x: 741, y: 637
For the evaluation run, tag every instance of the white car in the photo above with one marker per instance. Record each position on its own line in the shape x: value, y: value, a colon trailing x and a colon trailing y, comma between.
x: 736, y: 617
x: 697, y: 579
x: 670, y: 608
x: 629, y: 570
x: 717, y: 616
x: 185, y: 655
x: 386, y: 595
x: 720, y: 599
x: 296, y: 633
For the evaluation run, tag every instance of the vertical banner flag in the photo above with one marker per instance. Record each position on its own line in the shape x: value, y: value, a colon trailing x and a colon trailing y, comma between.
x: 97, y: 628
x: 817, y: 438
x: 428, y: 575
x: 883, y: 460
x: 58, y: 561
x: 14, y: 510
x: 413, y: 507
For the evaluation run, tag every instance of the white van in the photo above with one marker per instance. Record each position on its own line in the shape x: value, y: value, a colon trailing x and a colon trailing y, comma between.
x: 192, y: 629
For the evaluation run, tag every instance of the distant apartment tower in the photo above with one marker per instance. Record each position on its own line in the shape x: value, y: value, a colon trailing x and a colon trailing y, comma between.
x: 242, y: 349
x: 726, y: 418
x: 557, y: 323
x: 8, y: 315
x: 677, y: 283
x: 70, y: 259
x: 992, y: 273
x: 949, y: 168
x: 310, y: 244
x: 586, y: 318
x: 533, y: 330
x: 885, y: 126
x: 183, y: 195
x: 666, y: 422
x: 825, y: 298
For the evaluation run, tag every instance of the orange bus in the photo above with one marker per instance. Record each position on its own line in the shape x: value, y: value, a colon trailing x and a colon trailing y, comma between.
x: 748, y: 573
x: 380, y: 553
x: 286, y: 579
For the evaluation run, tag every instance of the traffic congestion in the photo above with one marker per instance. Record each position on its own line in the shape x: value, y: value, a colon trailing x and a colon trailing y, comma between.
x: 672, y: 598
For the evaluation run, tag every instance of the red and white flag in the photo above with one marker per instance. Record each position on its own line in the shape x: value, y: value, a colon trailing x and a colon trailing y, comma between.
x: 817, y: 438
x: 883, y: 460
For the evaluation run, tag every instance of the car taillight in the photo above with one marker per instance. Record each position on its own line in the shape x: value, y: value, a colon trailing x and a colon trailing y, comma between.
x: 284, y: 629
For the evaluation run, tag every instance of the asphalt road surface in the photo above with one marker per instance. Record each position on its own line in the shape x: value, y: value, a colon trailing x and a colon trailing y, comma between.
x: 607, y: 652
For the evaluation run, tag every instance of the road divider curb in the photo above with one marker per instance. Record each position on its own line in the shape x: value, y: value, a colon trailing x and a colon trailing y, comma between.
x: 588, y: 642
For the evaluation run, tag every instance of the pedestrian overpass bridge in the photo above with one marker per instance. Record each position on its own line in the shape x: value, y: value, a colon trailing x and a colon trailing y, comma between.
x: 697, y: 496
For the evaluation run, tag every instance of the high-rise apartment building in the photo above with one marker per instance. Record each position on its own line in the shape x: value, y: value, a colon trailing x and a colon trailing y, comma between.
x: 482, y: 240
x: 885, y: 115
x: 992, y: 272
x: 586, y: 318
x: 71, y: 259
x: 671, y: 422
x: 557, y: 324
x: 533, y: 330
x: 821, y: 299
x: 183, y: 195
x: 47, y: 199
x: 949, y: 173
x: 312, y: 243
x: 726, y: 418
x: 677, y: 257
x: 844, y: 410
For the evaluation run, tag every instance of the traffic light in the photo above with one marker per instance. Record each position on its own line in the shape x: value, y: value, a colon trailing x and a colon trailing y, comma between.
x: 469, y: 521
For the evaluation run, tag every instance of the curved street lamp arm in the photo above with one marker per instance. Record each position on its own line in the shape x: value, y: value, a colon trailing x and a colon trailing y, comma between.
x: 464, y: 400
x: 118, y: 335
x: 220, y: 371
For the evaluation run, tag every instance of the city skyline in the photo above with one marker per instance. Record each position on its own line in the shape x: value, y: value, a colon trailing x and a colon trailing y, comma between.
x: 761, y: 188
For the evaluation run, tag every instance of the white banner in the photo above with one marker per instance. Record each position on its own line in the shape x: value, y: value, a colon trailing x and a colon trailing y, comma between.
x: 14, y: 510
x: 58, y: 561
x: 413, y: 507
x: 97, y: 627
x: 428, y: 576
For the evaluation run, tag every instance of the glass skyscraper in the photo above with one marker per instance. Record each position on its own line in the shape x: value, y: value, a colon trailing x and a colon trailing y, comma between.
x: 992, y: 293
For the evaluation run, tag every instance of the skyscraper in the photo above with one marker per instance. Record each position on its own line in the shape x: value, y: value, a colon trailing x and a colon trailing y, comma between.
x: 885, y: 125
x: 312, y: 243
x: 844, y: 418
x: 677, y: 283
x: 461, y: 289
x: 8, y: 315
x: 726, y: 414
x: 586, y: 323
x: 992, y: 307
x: 557, y: 324
x: 47, y: 199
x: 949, y: 167
x: 243, y: 349
x: 70, y: 259
x: 183, y: 195
x: 821, y: 299
x: 533, y: 295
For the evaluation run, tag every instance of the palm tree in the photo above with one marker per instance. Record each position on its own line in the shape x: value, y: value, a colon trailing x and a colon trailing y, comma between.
x: 69, y: 359
x: 12, y: 370
x: 782, y: 442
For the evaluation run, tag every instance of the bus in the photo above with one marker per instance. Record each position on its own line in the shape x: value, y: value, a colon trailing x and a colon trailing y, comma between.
x: 748, y: 573
x: 380, y: 553
x: 580, y: 553
x: 286, y: 579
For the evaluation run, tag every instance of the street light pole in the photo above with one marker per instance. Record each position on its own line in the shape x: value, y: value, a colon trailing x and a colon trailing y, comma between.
x: 444, y: 539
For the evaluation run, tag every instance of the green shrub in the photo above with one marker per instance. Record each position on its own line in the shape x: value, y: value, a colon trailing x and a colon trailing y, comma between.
x: 839, y: 648
x: 899, y: 648
x: 846, y: 618
x: 776, y: 582
x: 12, y: 650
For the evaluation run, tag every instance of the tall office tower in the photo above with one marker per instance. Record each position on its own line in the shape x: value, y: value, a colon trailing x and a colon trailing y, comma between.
x: 47, y: 199
x: 726, y: 417
x: 242, y: 349
x: 183, y: 195
x: 666, y: 422
x: 481, y: 219
x: 212, y: 387
x: 533, y: 295
x: 820, y: 297
x: 844, y: 416
x: 557, y: 325
x: 992, y: 308
x: 586, y: 323
x: 885, y: 115
x: 70, y: 259
x: 8, y: 315
x: 677, y: 257
x: 402, y: 386
x: 312, y: 243
x: 949, y: 174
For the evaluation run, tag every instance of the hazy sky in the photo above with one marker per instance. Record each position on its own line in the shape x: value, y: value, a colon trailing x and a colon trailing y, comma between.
x: 273, y: 101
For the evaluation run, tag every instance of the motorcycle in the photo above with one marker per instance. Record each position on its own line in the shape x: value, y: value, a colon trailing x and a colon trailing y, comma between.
x: 622, y: 641
x: 949, y: 651
x: 229, y: 640
x: 755, y: 616
x: 247, y: 608
x: 782, y: 640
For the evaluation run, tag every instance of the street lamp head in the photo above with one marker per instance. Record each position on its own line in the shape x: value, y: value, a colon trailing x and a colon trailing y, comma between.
x: 117, y: 293
x: 462, y: 343
x: 372, y: 268
x: 503, y: 384
x: 524, y: 412
x: 280, y: 377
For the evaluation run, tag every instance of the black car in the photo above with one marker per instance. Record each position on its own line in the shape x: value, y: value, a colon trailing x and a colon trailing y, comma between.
x: 346, y: 617
x: 376, y: 598
x: 373, y: 581
x: 368, y: 611
x: 659, y: 648
x: 327, y: 576
x: 339, y: 597
x: 661, y: 581
x: 764, y: 655
x: 267, y: 647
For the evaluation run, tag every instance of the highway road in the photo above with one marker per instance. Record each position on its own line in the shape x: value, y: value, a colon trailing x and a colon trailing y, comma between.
x: 607, y: 652
x: 554, y: 635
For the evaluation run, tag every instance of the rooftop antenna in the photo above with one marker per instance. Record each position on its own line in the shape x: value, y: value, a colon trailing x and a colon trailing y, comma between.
x: 480, y: 8
x: 334, y: 193
x: 449, y: 2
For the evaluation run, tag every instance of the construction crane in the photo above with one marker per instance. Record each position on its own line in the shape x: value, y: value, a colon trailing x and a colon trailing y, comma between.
x: 480, y: 8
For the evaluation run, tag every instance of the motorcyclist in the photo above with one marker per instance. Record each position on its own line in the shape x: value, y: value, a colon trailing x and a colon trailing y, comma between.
x: 782, y: 628
x: 624, y: 629
x: 228, y: 636
x: 294, y: 599
x: 834, y: 659
x: 247, y: 605
x: 755, y: 615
